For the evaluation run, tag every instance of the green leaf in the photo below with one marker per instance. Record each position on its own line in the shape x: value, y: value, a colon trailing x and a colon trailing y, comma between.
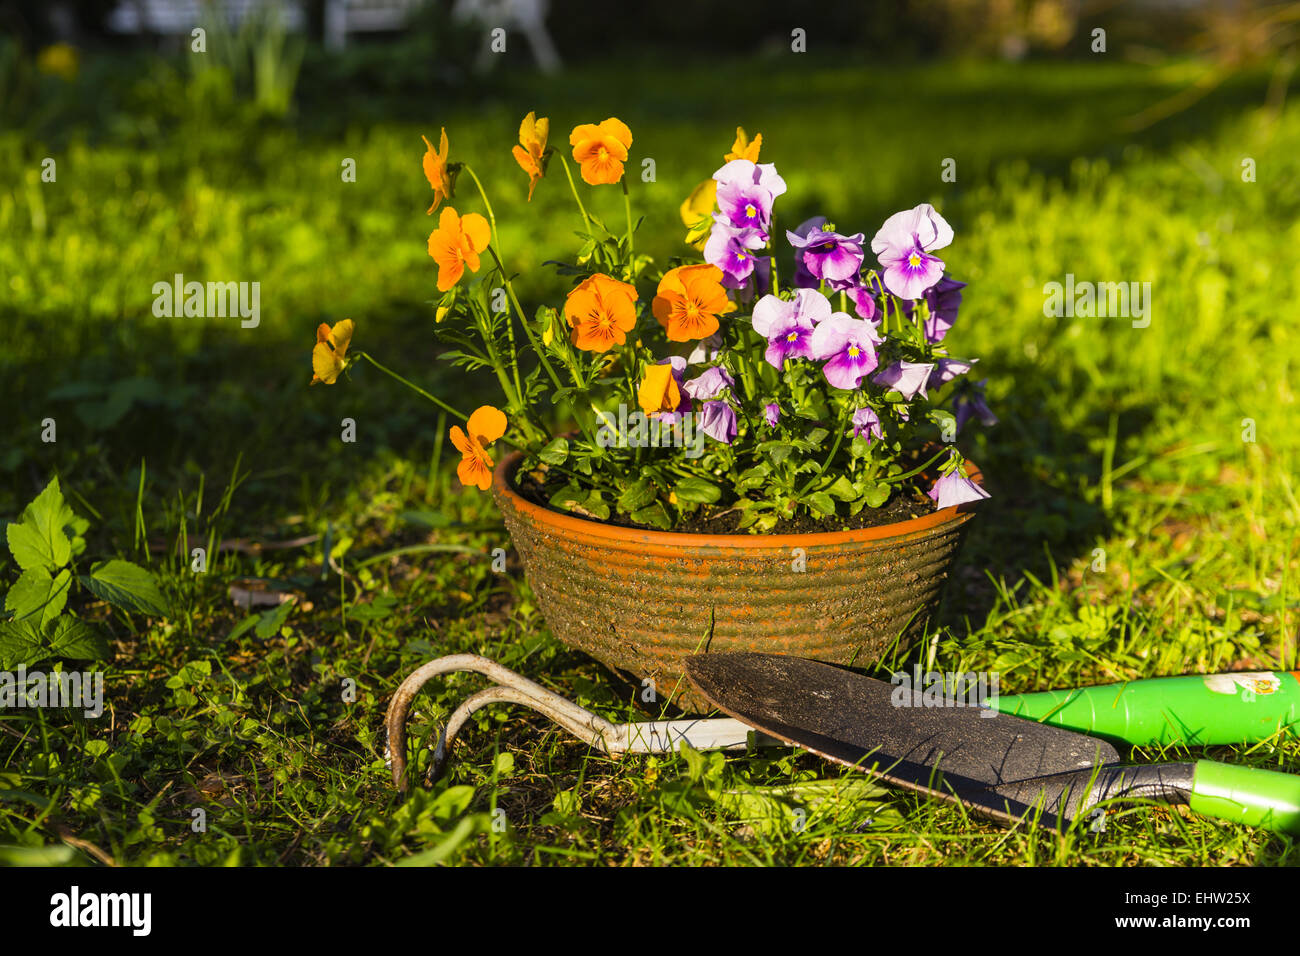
x: 21, y: 642
x: 751, y: 510
x: 78, y: 526
x: 244, y: 626
x: 271, y: 621
x: 36, y: 594
x: 446, y: 845
x: 843, y: 489
x: 595, y: 505
x: 779, y: 451
x: 569, y: 495
x: 452, y: 802
x: 654, y: 515
x: 697, y: 490
x: 941, y: 416
x: 43, y: 856
x: 37, y: 539
x: 69, y: 637
x: 821, y: 502
x: 556, y: 453
x: 637, y: 495
x: 875, y: 494
x: 127, y: 586
x: 380, y: 608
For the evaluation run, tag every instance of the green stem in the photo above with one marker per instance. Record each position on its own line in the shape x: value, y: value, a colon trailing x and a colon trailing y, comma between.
x: 513, y: 394
x: 519, y: 310
x: 771, y: 247
x: 494, y: 248
x: 839, y: 437
x: 574, y: 189
x: 495, y: 245
x: 447, y: 408
x: 413, y: 387
x: 582, y: 391
x: 627, y: 207
x: 917, y: 470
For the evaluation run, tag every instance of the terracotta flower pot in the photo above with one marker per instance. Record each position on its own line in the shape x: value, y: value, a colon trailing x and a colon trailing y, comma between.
x: 640, y: 601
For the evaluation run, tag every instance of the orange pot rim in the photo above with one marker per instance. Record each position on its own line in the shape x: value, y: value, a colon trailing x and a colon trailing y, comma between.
x: 646, y: 537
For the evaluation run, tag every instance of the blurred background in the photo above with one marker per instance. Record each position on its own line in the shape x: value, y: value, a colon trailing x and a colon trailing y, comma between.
x: 1100, y: 139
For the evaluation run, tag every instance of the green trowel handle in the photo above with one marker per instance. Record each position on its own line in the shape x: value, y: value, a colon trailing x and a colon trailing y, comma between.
x: 1260, y: 798
x: 1197, y: 710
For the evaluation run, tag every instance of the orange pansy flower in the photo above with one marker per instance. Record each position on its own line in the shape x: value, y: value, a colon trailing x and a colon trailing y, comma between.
x: 742, y: 148
x: 435, y: 170
x: 331, y: 351
x: 601, y: 311
x: 485, y: 426
x: 689, y: 301
x: 697, y: 213
x: 456, y: 243
x: 532, y: 145
x: 601, y: 150
x: 659, y: 391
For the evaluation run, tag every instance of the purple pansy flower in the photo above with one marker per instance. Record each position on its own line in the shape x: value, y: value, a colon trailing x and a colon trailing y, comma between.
x: 718, y: 421
x: 903, y: 247
x: 732, y: 252
x: 746, y: 192
x: 970, y: 402
x: 945, y: 370
x: 828, y: 255
x: 953, y: 489
x: 788, y: 325
x: 943, y: 298
x: 743, y: 173
x: 864, y: 303
x: 803, y: 279
x: 848, y: 346
x: 866, y: 423
x: 709, y: 384
x: 772, y: 413
x: 908, y: 378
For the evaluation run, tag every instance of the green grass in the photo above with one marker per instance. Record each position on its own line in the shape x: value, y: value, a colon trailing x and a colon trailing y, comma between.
x: 1114, y: 438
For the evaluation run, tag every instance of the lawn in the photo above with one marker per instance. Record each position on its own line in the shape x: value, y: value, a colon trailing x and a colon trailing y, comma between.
x: 1143, y: 521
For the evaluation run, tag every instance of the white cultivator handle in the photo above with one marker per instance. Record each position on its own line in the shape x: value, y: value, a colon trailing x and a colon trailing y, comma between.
x: 651, y: 736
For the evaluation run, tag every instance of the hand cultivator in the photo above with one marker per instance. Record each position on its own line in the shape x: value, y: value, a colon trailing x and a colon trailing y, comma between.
x: 652, y: 736
x: 1009, y: 768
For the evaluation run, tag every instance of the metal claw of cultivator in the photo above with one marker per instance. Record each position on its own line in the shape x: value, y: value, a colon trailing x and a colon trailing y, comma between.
x: 651, y: 736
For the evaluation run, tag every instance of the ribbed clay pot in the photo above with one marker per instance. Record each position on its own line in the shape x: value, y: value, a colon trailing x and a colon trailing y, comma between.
x: 640, y: 601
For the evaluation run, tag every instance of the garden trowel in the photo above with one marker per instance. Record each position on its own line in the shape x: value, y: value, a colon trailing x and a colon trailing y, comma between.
x: 1005, y: 768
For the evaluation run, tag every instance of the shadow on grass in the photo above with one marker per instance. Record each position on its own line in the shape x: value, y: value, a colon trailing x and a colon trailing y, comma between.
x: 191, y: 413
x: 1045, y: 478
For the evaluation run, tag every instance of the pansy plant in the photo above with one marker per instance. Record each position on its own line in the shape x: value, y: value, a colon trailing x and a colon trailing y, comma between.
x: 767, y: 374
